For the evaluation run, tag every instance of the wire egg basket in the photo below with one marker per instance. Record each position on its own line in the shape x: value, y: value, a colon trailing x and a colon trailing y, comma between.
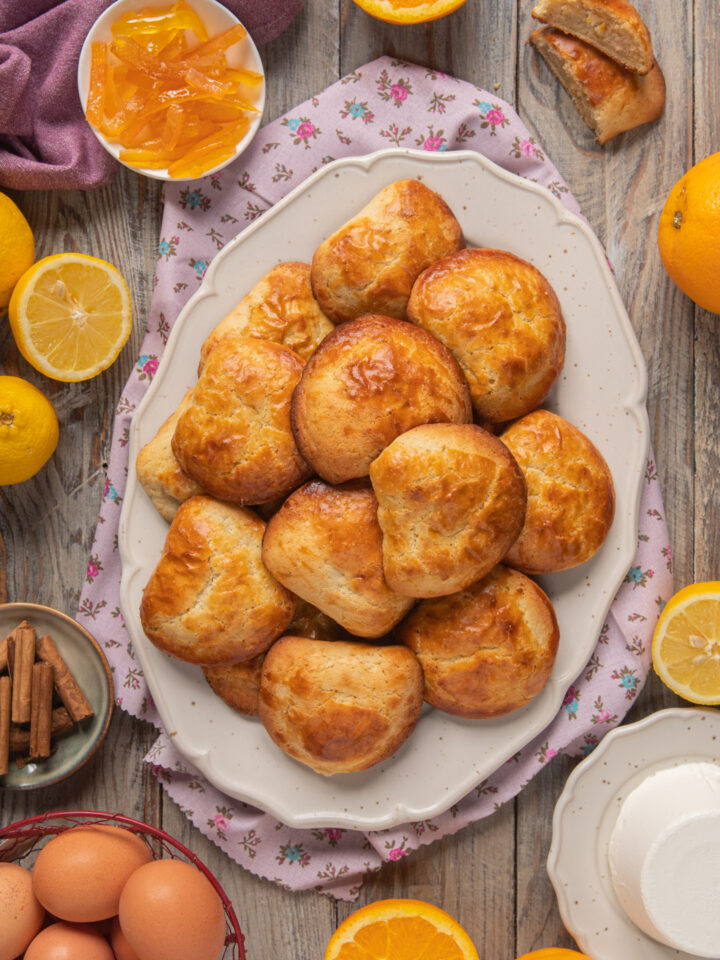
x: 21, y: 841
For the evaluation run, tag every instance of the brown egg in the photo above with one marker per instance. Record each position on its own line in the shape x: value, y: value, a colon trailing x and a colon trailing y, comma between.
x: 79, y: 874
x: 21, y: 916
x: 168, y: 908
x: 69, y: 941
x: 118, y: 941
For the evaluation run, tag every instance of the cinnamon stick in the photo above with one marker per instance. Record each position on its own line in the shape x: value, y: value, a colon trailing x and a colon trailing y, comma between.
x: 10, y: 652
x: 5, y: 705
x: 4, y: 654
x: 75, y: 701
x: 61, y: 723
x: 24, y: 657
x: 41, y: 709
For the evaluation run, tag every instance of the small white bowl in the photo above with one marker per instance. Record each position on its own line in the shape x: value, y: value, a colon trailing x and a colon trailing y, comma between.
x: 217, y: 19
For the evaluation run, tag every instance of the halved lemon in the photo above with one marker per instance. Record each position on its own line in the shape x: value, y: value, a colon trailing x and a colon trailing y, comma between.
x: 686, y: 643
x: 400, y: 930
x: 70, y: 315
x: 409, y: 11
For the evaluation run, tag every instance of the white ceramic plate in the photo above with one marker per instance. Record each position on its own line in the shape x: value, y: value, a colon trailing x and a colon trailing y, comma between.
x: 601, y: 390
x: 585, y: 815
x: 217, y: 18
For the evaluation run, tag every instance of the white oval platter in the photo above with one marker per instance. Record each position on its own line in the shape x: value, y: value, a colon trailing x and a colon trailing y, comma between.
x: 601, y: 390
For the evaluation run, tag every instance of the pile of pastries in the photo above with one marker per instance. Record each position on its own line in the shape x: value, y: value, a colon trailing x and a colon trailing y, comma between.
x: 361, y: 482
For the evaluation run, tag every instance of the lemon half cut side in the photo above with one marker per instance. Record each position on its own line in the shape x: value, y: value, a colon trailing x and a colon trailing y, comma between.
x: 686, y: 643
x: 71, y: 315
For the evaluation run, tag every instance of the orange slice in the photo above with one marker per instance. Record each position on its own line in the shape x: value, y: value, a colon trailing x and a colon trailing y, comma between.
x: 70, y: 315
x: 409, y: 11
x: 400, y: 930
x: 686, y: 643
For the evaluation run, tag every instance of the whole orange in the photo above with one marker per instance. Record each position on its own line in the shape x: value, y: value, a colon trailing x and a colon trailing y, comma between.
x: 689, y: 233
x: 408, y: 11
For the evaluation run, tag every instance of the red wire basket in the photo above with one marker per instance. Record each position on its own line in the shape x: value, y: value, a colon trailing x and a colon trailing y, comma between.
x: 19, y: 840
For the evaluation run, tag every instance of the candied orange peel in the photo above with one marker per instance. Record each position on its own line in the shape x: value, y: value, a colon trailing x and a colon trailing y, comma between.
x: 164, y: 91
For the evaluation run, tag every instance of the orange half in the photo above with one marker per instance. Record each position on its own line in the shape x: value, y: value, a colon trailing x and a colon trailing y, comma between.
x: 409, y: 11
x: 400, y: 930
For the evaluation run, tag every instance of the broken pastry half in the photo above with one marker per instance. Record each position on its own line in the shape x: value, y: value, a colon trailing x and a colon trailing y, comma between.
x: 609, y: 98
x: 612, y: 26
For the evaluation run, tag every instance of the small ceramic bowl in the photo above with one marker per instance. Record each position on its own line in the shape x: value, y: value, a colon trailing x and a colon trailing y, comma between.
x: 87, y: 662
x: 217, y: 19
x: 20, y: 842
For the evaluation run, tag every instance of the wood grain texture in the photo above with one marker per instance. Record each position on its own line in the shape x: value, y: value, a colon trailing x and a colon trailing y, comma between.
x: 492, y: 875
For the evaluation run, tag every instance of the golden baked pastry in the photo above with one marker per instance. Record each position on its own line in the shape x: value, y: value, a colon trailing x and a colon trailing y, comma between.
x: 238, y: 684
x: 609, y: 98
x: 325, y: 545
x: 451, y: 501
x: 339, y: 707
x: 159, y: 472
x: 210, y: 599
x: 502, y: 321
x: 486, y: 650
x: 280, y: 307
x: 370, y: 264
x: 312, y: 623
x: 234, y: 438
x: 367, y: 382
x: 613, y: 26
x: 571, y: 498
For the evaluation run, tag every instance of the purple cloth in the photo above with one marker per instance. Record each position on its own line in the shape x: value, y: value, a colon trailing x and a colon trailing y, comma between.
x: 45, y: 142
x: 384, y: 103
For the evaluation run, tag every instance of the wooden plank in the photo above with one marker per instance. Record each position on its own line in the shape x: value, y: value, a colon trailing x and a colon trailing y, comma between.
x: 303, y: 60
x: 621, y: 188
x: 47, y: 525
x: 706, y: 546
x: 469, y: 874
x: 537, y: 920
x: 476, y: 43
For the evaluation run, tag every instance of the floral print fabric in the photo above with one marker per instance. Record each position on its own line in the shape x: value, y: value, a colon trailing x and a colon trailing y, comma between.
x: 383, y: 104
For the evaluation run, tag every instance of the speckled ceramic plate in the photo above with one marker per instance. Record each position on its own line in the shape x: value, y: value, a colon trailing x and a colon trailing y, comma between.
x: 601, y: 390
x: 585, y: 815
x: 87, y: 663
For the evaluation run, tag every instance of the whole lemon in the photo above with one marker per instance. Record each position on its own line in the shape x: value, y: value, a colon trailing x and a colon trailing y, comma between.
x: 17, y: 248
x: 689, y: 233
x: 28, y: 430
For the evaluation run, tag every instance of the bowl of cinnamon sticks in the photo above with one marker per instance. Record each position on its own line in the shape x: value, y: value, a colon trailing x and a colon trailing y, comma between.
x: 56, y: 695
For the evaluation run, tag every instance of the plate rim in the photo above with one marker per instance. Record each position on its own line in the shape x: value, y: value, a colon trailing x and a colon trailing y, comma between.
x: 636, y: 730
x: 26, y: 606
x: 633, y: 402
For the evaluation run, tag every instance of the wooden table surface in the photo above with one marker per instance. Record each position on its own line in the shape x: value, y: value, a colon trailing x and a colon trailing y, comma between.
x: 491, y: 876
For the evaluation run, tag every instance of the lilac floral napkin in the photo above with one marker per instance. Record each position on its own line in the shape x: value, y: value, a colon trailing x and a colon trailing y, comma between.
x: 385, y: 103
